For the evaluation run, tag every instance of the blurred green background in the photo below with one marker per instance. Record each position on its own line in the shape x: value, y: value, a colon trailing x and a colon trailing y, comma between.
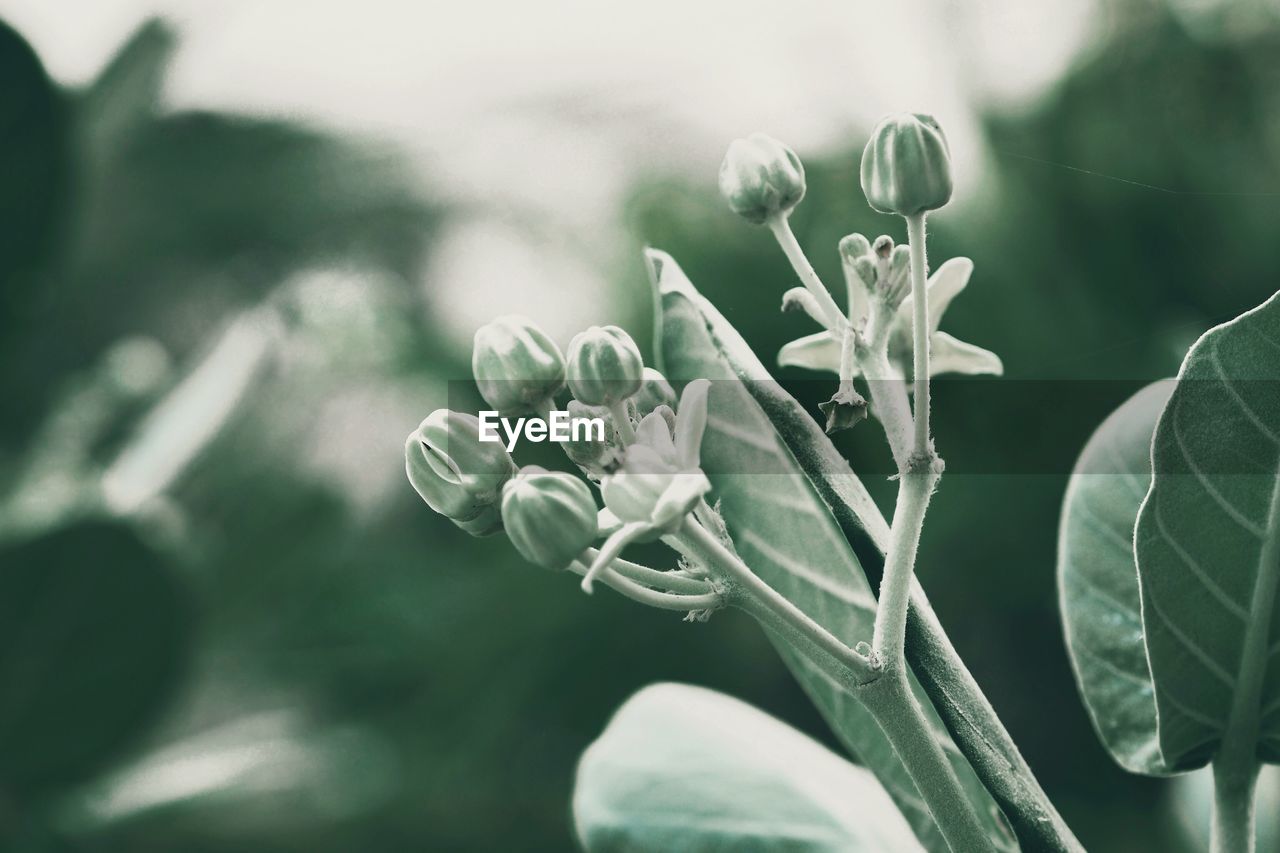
x: 227, y: 624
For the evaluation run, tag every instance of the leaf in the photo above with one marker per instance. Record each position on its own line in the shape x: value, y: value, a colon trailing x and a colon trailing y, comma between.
x: 786, y: 534
x: 686, y: 768
x: 94, y: 631
x: 1098, y: 580
x: 1208, y: 546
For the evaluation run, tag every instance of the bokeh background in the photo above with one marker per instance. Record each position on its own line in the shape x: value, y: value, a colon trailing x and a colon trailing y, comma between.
x: 243, y: 248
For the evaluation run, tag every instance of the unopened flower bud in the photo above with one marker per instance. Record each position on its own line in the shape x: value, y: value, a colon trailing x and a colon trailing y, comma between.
x: 760, y: 178
x: 550, y: 516
x: 458, y: 475
x: 515, y: 364
x: 605, y: 366
x: 654, y: 391
x: 906, y: 167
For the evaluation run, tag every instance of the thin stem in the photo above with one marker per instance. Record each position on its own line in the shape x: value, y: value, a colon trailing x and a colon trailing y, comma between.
x: 661, y: 600
x: 915, y: 488
x: 846, y: 356
x: 920, y: 328
x: 622, y: 423
x: 888, y: 392
x: 781, y: 229
x: 666, y: 581
x: 1232, y: 828
x: 757, y: 597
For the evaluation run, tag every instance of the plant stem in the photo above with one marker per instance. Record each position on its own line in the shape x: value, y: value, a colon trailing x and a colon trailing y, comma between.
x: 920, y: 328
x: 903, y: 721
x: 888, y: 393
x: 752, y: 594
x: 781, y: 229
x: 653, y: 598
x: 666, y: 581
x: 1232, y: 828
x: 915, y: 488
x: 622, y: 423
x: 885, y: 692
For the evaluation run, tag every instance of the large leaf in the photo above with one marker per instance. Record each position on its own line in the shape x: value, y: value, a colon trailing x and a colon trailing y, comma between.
x: 94, y: 631
x: 787, y: 535
x: 1208, y: 546
x: 686, y: 768
x: 1098, y: 580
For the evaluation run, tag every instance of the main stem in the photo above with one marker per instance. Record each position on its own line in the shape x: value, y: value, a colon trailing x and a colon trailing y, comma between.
x: 915, y: 488
x: 1232, y: 829
x: 885, y: 692
x: 920, y: 327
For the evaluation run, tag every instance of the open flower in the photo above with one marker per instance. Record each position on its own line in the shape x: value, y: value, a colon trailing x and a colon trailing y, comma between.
x: 821, y: 351
x: 660, y: 480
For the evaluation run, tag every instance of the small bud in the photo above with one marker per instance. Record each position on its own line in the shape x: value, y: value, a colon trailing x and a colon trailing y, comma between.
x: 654, y: 391
x: 854, y: 246
x: 760, y: 177
x: 605, y: 366
x: 515, y: 364
x: 883, y: 246
x: 550, y: 516
x: 458, y: 475
x: 906, y: 167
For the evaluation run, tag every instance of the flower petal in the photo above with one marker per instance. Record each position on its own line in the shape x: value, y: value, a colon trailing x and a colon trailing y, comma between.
x: 691, y: 423
x: 679, y: 499
x: 798, y: 297
x: 816, y: 352
x: 944, y: 285
x: 653, y: 431
x: 950, y: 355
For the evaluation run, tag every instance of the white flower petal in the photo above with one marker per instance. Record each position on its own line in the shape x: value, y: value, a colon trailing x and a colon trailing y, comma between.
x: 949, y: 355
x: 816, y: 352
x: 653, y: 431
x: 691, y: 423
x: 943, y: 286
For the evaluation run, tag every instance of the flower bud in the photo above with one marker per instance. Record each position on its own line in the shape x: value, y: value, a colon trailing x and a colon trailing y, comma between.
x: 760, y: 177
x: 906, y: 167
x: 515, y: 364
x: 550, y: 516
x: 605, y: 366
x: 654, y: 391
x: 458, y: 475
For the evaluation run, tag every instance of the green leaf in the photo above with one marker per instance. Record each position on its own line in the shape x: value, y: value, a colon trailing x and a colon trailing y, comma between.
x: 94, y: 631
x: 686, y: 768
x: 1098, y: 580
x: 784, y: 531
x: 1208, y: 547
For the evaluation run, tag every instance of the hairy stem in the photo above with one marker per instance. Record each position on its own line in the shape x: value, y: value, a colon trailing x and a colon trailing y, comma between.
x: 920, y: 328
x: 915, y: 488
x: 888, y: 392
x: 1232, y: 829
x: 781, y: 229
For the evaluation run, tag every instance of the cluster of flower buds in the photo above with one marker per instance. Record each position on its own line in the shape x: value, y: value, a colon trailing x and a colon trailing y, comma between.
x: 877, y: 271
x: 647, y: 465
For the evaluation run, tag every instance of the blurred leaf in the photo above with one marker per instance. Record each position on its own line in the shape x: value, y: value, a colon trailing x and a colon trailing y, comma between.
x: 126, y: 94
x: 94, y: 633
x: 690, y: 769
x: 35, y: 152
x: 1098, y: 581
x: 787, y: 535
x: 1206, y: 542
